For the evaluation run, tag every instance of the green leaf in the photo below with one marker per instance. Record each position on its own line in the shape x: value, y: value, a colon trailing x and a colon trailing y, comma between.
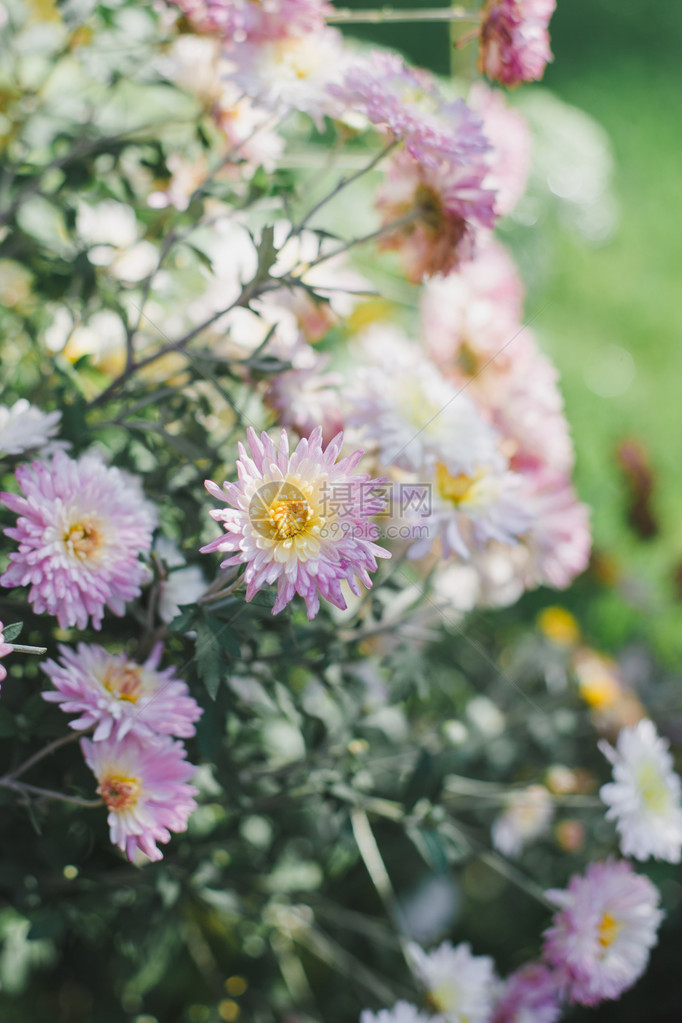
x: 11, y: 632
x: 209, y: 659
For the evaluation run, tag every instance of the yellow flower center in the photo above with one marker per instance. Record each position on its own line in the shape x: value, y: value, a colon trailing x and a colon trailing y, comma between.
x: 281, y: 512
x: 289, y: 518
x: 83, y: 539
x: 118, y: 792
x: 609, y: 929
x: 123, y: 681
x: 453, y: 488
x: 652, y: 788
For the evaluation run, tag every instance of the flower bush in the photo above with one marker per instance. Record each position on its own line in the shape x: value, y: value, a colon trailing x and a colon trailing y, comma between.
x: 243, y: 255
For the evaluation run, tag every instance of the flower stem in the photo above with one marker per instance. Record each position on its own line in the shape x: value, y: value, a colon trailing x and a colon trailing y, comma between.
x: 34, y: 790
x: 19, y: 648
x: 345, y: 16
x: 343, y: 183
x: 44, y: 752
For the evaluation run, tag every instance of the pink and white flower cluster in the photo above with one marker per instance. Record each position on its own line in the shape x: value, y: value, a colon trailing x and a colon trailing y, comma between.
x: 81, y: 528
x: 134, y: 710
x: 474, y: 416
x: 597, y: 946
x: 300, y: 520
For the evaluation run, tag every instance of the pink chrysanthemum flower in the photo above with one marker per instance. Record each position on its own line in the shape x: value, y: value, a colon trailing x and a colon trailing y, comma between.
x: 145, y: 789
x: 530, y: 995
x: 5, y: 648
x: 237, y: 21
x: 559, y: 540
x: 600, y: 939
x: 471, y: 318
x: 304, y: 399
x: 300, y: 520
x: 514, y: 42
x: 405, y: 103
x: 510, y: 137
x: 117, y: 695
x: 80, y: 529
x: 442, y: 208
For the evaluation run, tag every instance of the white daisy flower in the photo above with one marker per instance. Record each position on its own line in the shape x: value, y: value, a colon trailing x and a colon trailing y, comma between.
x: 460, y: 986
x: 23, y: 427
x: 644, y: 797
x: 417, y: 417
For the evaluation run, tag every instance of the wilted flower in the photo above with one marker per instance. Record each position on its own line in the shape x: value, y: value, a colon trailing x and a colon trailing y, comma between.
x: 437, y: 212
x: 644, y: 796
x: 145, y: 789
x: 23, y: 427
x: 300, y: 520
x: 405, y: 103
x: 530, y: 995
x: 116, y: 695
x: 459, y: 985
x: 600, y: 939
x: 514, y: 43
x: 526, y: 817
x: 81, y: 527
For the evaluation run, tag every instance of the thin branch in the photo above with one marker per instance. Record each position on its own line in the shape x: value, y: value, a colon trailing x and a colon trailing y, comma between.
x: 34, y: 790
x: 343, y: 183
x: 346, y: 16
x: 44, y: 752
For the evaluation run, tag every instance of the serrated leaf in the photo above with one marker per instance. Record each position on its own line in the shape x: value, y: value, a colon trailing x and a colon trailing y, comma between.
x: 11, y: 632
x: 209, y: 659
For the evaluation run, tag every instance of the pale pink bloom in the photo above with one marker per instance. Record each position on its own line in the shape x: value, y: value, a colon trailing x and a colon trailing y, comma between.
x: 302, y: 521
x: 116, y: 695
x: 236, y: 21
x: 509, y: 133
x: 305, y: 399
x: 410, y: 413
x: 559, y: 539
x: 529, y: 995
x: 144, y: 786
x: 283, y: 75
x: 5, y: 648
x: 444, y: 208
x: 405, y: 103
x: 527, y: 815
x: 514, y: 42
x: 472, y: 316
x: 645, y: 795
x: 600, y: 938
x: 81, y: 528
